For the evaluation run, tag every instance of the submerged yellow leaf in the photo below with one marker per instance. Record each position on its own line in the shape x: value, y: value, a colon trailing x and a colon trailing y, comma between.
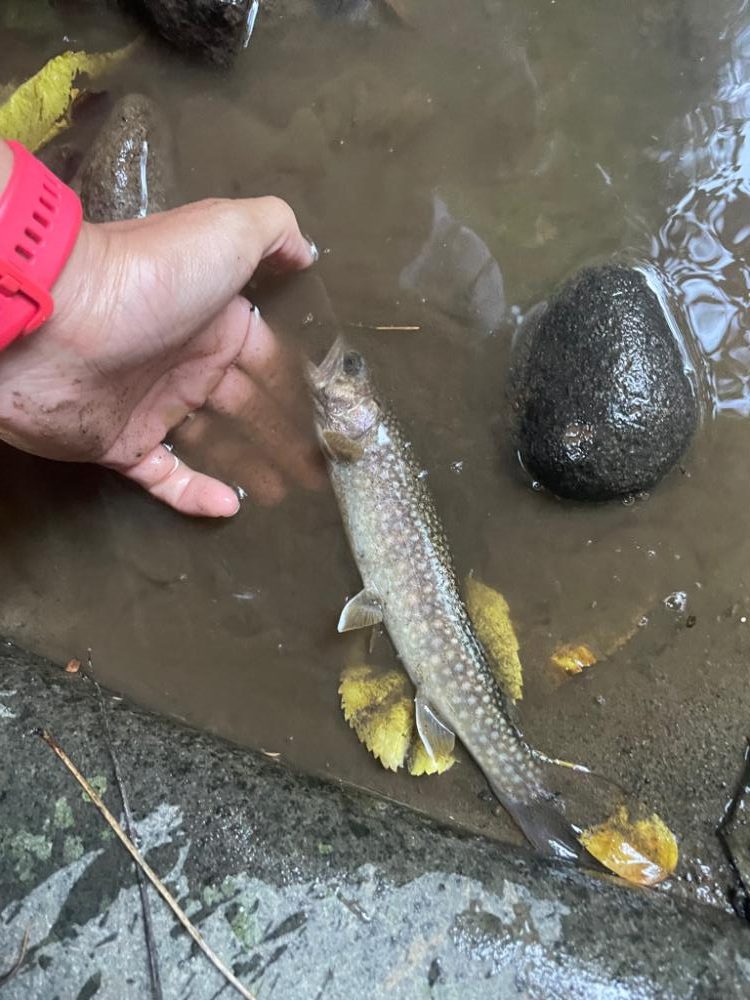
x: 573, y: 658
x: 421, y: 763
x: 490, y: 613
x: 380, y: 709
x: 642, y: 851
x: 40, y: 108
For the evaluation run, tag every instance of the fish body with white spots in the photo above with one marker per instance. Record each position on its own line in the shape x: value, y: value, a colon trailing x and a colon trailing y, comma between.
x: 410, y: 586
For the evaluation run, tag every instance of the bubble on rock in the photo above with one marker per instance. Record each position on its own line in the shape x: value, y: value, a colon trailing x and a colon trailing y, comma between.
x: 676, y: 601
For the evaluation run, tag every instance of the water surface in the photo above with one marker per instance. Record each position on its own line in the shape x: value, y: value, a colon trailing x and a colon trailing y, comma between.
x: 544, y: 136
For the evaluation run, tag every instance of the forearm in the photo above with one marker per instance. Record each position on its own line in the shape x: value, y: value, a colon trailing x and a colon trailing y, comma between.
x: 6, y: 164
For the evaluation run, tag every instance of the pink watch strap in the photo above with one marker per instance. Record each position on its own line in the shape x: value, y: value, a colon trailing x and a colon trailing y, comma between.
x: 40, y: 218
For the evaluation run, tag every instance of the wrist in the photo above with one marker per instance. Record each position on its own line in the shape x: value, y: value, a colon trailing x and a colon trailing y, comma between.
x: 76, y: 308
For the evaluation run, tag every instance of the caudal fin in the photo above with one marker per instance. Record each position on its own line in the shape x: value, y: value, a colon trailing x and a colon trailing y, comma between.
x: 546, y: 829
x: 582, y: 816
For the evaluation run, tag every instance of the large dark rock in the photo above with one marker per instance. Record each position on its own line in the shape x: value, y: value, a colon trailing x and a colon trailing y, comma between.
x: 214, y: 30
x: 602, y: 405
x: 128, y: 171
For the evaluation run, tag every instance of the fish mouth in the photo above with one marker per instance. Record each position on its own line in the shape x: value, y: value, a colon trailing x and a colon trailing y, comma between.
x: 318, y: 376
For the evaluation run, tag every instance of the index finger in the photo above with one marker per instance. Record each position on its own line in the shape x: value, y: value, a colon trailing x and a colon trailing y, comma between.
x: 195, y: 259
x: 285, y: 248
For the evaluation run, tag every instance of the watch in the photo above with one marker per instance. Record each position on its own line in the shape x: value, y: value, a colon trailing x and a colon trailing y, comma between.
x: 40, y: 218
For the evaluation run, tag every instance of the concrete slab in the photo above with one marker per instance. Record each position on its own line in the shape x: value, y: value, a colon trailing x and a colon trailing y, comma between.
x: 306, y: 889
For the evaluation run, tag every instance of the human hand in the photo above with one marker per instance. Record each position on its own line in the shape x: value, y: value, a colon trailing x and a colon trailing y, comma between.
x: 149, y: 329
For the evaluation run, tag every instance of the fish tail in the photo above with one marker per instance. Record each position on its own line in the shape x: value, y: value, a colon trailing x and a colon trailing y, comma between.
x: 578, y: 815
x: 545, y: 827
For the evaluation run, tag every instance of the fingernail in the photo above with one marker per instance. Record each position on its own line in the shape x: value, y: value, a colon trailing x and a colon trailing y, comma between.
x: 256, y: 312
x: 238, y: 495
x: 314, y: 252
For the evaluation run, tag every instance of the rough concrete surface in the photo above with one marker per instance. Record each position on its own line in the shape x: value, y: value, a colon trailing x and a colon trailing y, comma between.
x: 306, y: 889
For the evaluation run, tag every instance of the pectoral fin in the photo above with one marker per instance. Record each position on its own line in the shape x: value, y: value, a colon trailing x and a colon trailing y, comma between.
x: 340, y: 447
x: 438, y: 739
x: 361, y: 611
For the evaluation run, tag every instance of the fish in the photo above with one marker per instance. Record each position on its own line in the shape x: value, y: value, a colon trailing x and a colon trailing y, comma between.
x: 410, y: 587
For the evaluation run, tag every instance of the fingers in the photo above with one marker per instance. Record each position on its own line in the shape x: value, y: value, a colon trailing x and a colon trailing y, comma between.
x: 272, y: 220
x: 257, y: 421
x: 260, y: 420
x: 168, y: 479
x: 213, y: 442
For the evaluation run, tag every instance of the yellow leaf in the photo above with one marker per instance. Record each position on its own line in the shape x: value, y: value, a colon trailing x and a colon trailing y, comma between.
x: 421, y: 763
x: 572, y: 659
x: 380, y: 709
x: 40, y: 108
x: 643, y: 851
x: 490, y: 614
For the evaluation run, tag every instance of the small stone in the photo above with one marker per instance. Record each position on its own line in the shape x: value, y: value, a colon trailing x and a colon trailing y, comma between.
x: 602, y: 404
x: 127, y: 173
x: 433, y: 973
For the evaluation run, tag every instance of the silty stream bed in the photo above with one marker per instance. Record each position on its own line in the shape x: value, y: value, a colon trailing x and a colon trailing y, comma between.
x: 560, y: 136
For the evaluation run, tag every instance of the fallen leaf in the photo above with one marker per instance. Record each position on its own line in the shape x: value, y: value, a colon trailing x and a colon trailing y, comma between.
x: 40, y: 108
x: 490, y: 614
x: 643, y: 851
x: 421, y: 763
x: 380, y: 709
x: 573, y: 658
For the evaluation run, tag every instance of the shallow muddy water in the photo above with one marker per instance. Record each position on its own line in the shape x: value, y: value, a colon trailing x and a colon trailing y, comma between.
x: 560, y: 135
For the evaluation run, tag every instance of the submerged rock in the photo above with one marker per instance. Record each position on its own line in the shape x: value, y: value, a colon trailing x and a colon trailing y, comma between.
x: 128, y: 172
x: 602, y: 406
x: 214, y: 30
x: 456, y: 272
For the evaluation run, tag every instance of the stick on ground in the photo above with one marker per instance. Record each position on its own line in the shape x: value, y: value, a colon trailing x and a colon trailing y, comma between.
x: 148, y: 932
x: 150, y: 874
x: 6, y: 977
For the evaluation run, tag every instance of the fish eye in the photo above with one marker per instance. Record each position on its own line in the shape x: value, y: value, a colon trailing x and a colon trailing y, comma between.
x: 353, y: 363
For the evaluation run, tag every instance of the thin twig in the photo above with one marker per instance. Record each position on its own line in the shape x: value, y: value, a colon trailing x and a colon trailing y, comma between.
x: 148, y: 927
x: 384, y: 328
x: 145, y: 867
x: 6, y: 977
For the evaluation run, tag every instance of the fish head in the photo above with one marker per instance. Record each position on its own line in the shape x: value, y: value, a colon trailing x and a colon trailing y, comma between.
x: 344, y: 396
